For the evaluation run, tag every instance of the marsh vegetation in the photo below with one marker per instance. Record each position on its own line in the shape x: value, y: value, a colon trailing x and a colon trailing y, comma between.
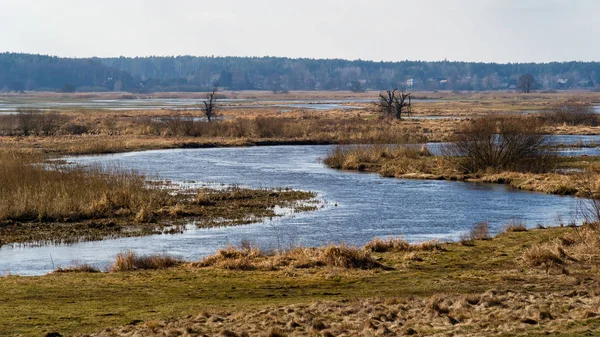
x: 43, y: 202
x: 521, y: 281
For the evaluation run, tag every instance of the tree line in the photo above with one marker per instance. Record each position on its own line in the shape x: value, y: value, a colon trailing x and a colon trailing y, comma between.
x: 189, y: 73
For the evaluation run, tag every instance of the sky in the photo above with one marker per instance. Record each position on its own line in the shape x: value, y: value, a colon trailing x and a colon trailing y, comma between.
x: 379, y: 30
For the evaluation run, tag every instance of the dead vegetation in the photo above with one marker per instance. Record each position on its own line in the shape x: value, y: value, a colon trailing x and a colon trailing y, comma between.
x: 130, y: 261
x: 252, y: 258
x: 80, y: 268
x: 501, y: 143
x: 580, y: 246
x: 392, y: 244
x: 571, y: 113
x: 490, y: 313
x: 49, y: 202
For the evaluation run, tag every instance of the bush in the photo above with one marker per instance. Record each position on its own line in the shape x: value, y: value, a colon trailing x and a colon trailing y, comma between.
x: 501, y: 143
x: 571, y: 113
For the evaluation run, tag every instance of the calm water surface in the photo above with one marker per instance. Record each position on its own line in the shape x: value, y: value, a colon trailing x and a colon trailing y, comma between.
x: 357, y: 206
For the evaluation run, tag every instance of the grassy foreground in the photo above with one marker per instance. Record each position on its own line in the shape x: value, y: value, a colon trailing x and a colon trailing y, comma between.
x: 522, y: 282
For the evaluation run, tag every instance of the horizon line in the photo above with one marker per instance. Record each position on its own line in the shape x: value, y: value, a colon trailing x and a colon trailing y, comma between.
x: 293, y: 58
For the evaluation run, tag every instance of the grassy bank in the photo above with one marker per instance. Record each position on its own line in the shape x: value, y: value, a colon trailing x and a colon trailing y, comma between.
x: 57, y: 203
x: 486, y: 287
x: 409, y: 162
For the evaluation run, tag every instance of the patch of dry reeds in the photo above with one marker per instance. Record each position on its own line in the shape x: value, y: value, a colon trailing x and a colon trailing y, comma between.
x: 31, y: 191
x: 130, y: 261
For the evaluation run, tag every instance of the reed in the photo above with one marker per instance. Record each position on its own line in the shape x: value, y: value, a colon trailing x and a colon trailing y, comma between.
x: 32, y: 191
x: 130, y: 261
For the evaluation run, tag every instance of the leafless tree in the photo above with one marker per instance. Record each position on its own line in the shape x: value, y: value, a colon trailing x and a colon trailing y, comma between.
x: 501, y: 143
x: 209, y: 105
x: 401, y: 105
x: 526, y: 83
x: 394, y: 103
x: 386, y: 102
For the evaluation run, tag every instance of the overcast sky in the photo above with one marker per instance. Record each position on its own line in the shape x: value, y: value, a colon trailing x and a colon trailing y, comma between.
x: 389, y: 30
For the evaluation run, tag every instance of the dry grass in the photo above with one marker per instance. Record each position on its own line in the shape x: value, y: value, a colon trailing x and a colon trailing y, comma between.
x: 251, y: 258
x: 546, y: 255
x: 80, y: 268
x: 364, y: 157
x: 479, y: 231
x: 50, y: 202
x: 490, y: 313
x: 414, y: 163
x: 515, y: 226
x: 392, y: 244
x: 31, y: 192
x: 314, y: 128
x: 581, y: 246
x: 130, y: 261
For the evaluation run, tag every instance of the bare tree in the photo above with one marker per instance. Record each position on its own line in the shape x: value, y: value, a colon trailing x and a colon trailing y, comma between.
x: 393, y: 103
x: 209, y: 106
x: 386, y: 102
x: 501, y: 143
x: 400, y: 104
x: 526, y: 83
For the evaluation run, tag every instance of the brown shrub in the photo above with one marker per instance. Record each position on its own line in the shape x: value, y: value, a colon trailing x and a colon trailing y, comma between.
x: 501, y: 143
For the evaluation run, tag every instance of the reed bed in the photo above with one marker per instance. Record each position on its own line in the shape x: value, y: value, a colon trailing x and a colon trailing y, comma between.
x: 31, y: 191
x: 49, y: 202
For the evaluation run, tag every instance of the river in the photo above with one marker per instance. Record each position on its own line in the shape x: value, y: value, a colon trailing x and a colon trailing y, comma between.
x: 357, y: 206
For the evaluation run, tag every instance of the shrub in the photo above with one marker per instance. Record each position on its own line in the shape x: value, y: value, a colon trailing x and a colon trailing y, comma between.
x: 501, y: 143
x: 571, y: 113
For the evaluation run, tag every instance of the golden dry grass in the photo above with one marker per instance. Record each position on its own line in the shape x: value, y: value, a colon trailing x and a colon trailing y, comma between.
x: 252, y: 258
x: 130, y: 261
x: 31, y: 192
x: 490, y: 313
x: 43, y: 202
x: 392, y: 244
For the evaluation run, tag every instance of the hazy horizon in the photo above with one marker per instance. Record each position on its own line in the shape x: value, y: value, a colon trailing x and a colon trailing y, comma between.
x: 499, y: 31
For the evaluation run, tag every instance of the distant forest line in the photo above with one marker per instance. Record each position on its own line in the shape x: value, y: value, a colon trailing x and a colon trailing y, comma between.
x: 29, y: 72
